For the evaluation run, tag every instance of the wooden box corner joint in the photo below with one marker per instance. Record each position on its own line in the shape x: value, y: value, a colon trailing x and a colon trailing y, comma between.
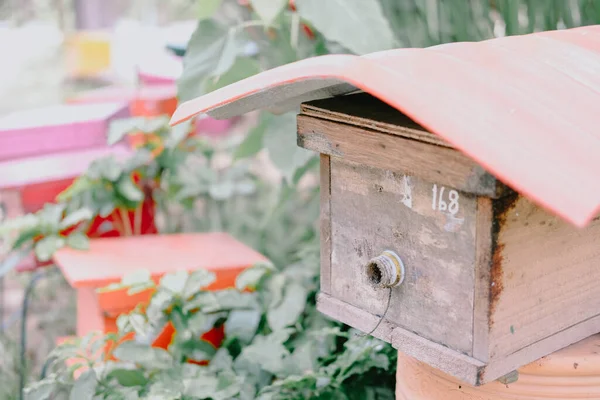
x: 487, y: 281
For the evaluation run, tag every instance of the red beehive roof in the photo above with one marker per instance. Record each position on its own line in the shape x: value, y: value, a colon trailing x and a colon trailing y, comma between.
x: 524, y: 107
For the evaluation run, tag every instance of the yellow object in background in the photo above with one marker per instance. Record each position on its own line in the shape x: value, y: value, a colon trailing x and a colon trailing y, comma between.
x: 88, y: 54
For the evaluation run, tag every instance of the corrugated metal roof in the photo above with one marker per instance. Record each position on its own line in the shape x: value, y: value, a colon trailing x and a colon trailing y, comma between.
x: 524, y: 107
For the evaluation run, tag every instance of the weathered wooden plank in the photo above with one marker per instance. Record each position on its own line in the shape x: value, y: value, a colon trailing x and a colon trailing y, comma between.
x: 373, y: 210
x: 545, y: 275
x: 503, y: 365
x: 366, y: 111
x: 355, y: 317
x: 325, y: 224
x: 432, y: 163
x: 483, y: 251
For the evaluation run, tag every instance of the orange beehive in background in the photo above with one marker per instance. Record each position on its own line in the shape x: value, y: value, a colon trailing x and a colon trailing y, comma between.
x: 109, y: 259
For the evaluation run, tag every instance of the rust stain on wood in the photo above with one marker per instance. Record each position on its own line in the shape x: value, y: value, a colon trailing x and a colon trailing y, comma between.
x: 502, y: 207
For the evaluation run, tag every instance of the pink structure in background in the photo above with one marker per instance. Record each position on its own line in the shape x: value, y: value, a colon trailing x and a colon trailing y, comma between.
x: 43, y: 150
x: 58, y: 128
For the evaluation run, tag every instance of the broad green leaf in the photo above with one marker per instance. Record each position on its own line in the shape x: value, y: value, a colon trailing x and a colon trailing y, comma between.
x: 242, y: 324
x: 85, y: 386
x: 135, y: 277
x: 196, y: 281
x: 207, y: 8
x: 145, y: 355
x: 288, y: 312
x: 127, y: 377
x: 222, y: 190
x: 268, y: 352
x: 280, y: 141
x: 228, y: 386
x: 253, y: 142
x: 198, y: 349
x: 221, y: 360
x: 42, y: 390
x: 202, y: 388
x: 201, y: 57
x: 77, y: 216
x: 120, y: 128
x: 250, y: 277
x: 200, y: 323
x: 19, y: 224
x: 12, y: 260
x: 242, y: 68
x: 46, y: 247
x: 268, y: 10
x: 129, y: 190
x: 174, y: 281
x: 358, y: 25
x: 78, y: 241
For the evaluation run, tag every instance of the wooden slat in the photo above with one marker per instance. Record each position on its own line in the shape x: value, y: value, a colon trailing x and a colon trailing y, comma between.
x: 432, y: 163
x: 452, y: 362
x: 366, y: 111
x: 325, y: 224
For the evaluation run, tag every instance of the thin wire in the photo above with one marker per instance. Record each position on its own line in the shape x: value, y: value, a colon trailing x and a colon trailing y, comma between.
x: 387, y: 307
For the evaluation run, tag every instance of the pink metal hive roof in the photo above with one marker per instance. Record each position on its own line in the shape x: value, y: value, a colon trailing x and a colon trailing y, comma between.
x: 525, y: 107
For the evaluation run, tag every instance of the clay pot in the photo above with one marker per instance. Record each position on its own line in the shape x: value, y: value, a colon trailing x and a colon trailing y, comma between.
x: 571, y: 373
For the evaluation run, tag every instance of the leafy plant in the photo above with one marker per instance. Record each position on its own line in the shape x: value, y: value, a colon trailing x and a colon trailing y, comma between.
x: 277, y: 345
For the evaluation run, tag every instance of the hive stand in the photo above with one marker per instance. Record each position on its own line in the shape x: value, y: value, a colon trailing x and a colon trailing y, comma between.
x: 571, y: 373
x: 109, y: 259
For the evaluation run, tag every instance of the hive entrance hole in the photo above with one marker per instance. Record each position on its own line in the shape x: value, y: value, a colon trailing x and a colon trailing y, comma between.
x: 374, y: 273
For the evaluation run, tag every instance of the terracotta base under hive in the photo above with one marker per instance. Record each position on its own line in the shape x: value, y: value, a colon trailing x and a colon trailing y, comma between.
x: 571, y: 373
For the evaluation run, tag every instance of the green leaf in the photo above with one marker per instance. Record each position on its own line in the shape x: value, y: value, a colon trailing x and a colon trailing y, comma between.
x: 145, y: 355
x: 202, y: 388
x: 120, y: 128
x: 280, y: 141
x: 250, y: 277
x: 201, y: 58
x: 207, y: 8
x: 85, y: 386
x: 129, y: 190
x: 12, y: 260
x: 138, y: 276
x: 358, y: 25
x: 222, y: 190
x: 174, y: 281
x: 228, y: 386
x: 242, y: 68
x: 198, y: 349
x: 242, y: 324
x: 268, y: 10
x: 42, y: 390
x: 78, y: 241
x: 45, y: 248
x: 289, y: 310
x: 196, y: 281
x: 253, y: 142
x: 268, y: 352
x: 127, y: 377
x: 77, y: 216
x: 19, y: 224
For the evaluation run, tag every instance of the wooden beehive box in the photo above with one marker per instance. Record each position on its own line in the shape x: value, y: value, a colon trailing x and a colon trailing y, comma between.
x: 485, y: 282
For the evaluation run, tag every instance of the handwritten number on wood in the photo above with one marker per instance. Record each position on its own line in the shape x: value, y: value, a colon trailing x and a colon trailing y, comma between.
x: 438, y: 202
